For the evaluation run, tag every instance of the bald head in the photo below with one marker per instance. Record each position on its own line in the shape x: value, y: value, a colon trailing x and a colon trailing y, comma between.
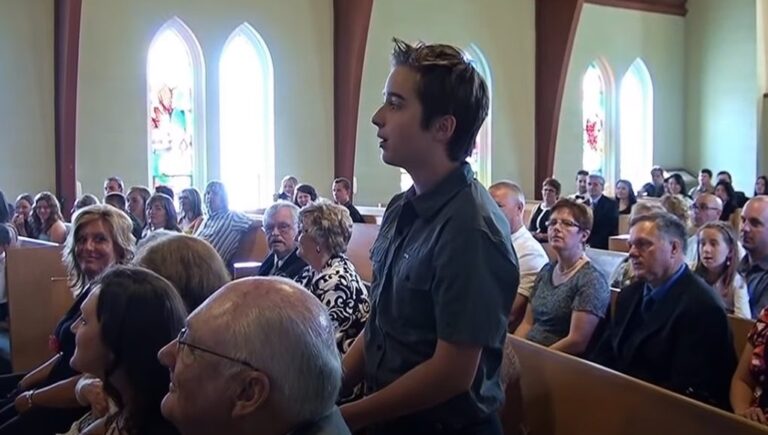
x: 754, y: 234
x: 706, y: 208
x: 511, y: 200
x: 277, y: 329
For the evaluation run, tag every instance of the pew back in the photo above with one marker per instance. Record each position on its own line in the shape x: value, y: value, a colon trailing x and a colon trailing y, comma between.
x: 38, y: 296
x: 605, y: 261
x: 359, y: 248
x: 564, y: 395
x: 740, y: 328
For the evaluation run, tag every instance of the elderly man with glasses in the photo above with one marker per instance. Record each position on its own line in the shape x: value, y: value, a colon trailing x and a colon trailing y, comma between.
x: 281, y: 223
x: 258, y: 357
x: 706, y: 208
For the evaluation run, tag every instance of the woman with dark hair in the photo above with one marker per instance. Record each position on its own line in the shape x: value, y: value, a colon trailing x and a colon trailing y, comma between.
x: 724, y: 191
x: 161, y: 214
x: 761, y: 185
x: 191, y: 205
x: 675, y: 185
x: 130, y: 314
x: 304, y: 195
x: 22, y: 215
x: 625, y: 196
x: 47, y: 221
x: 550, y: 193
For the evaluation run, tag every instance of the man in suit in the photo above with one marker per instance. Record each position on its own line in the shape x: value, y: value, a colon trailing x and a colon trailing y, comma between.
x: 605, y: 212
x: 281, y: 223
x: 669, y: 327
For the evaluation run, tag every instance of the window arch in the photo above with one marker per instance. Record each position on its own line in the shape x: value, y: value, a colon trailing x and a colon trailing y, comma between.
x: 480, y: 159
x: 175, y: 76
x: 246, y: 78
x: 636, y: 123
x: 594, y: 109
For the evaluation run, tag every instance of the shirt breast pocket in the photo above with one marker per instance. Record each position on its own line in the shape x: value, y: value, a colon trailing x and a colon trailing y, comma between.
x: 413, y: 302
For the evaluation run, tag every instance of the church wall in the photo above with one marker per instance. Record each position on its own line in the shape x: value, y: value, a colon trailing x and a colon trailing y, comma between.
x: 26, y: 97
x: 722, y: 88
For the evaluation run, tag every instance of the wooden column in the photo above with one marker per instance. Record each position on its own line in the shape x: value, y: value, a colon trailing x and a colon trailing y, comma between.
x: 351, y: 19
x: 66, y: 46
x: 556, y: 22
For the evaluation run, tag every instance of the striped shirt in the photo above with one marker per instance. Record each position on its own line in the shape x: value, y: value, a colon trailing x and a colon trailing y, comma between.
x: 223, y: 231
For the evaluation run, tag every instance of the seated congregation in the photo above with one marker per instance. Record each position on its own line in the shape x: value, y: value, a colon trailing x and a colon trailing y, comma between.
x: 410, y: 325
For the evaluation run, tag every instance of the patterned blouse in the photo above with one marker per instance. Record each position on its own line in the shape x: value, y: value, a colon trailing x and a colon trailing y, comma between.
x: 341, y: 290
x: 757, y: 338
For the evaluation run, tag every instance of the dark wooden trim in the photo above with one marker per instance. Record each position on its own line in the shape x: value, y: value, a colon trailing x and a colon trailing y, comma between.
x: 67, y: 16
x: 556, y: 22
x: 679, y: 8
x: 351, y: 19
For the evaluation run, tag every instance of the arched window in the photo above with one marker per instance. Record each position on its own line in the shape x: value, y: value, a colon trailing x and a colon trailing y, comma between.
x: 247, y: 119
x: 480, y: 159
x: 175, y: 96
x: 593, y: 109
x: 636, y: 123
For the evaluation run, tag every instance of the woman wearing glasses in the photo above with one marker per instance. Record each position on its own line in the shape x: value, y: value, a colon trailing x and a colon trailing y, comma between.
x: 570, y: 295
x: 125, y: 321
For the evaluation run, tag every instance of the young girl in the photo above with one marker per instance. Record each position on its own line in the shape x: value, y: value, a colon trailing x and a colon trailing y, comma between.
x: 717, y: 263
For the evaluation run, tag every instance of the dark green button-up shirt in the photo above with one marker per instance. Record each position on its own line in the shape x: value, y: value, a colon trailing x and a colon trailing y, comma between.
x: 443, y: 269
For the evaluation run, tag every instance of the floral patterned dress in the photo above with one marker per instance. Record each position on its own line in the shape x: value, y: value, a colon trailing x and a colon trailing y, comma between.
x: 758, y: 368
x: 341, y: 290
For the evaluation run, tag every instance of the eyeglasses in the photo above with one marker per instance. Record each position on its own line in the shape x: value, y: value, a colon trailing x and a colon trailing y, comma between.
x: 281, y: 227
x: 696, y: 207
x: 563, y: 223
x: 180, y: 342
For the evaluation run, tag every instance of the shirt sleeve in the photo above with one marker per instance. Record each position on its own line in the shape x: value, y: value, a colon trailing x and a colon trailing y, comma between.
x: 530, y: 265
x: 475, y: 282
x: 741, y: 300
x: 593, y: 294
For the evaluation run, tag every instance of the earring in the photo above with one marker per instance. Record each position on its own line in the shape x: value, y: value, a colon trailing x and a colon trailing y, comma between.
x: 317, y: 249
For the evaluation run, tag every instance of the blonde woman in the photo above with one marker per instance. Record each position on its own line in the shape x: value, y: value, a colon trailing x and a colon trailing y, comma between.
x: 717, y: 263
x: 325, y: 230
x: 44, y: 399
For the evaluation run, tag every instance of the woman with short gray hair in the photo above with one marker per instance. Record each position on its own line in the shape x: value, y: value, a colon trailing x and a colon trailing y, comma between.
x: 325, y: 230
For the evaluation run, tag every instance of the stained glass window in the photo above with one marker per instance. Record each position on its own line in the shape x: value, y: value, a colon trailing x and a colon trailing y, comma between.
x: 593, y: 120
x: 247, y: 120
x: 636, y: 123
x: 173, y: 63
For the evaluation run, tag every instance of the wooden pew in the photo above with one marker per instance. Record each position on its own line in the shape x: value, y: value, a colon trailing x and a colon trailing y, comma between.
x: 605, y: 261
x: 38, y: 296
x: 740, y: 328
x: 564, y: 395
x: 619, y: 243
x: 253, y: 246
x: 359, y: 248
x: 371, y: 215
x: 530, y: 205
x: 623, y: 224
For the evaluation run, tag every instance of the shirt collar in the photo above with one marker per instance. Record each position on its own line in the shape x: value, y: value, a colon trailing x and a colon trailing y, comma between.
x: 429, y: 203
x: 519, y: 234
x: 746, y: 264
x: 658, y: 293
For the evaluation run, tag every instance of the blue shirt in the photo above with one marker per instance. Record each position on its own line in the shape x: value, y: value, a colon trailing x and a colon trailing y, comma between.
x: 658, y: 293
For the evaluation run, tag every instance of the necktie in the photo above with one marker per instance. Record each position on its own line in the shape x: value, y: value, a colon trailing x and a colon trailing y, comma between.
x: 648, y: 302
